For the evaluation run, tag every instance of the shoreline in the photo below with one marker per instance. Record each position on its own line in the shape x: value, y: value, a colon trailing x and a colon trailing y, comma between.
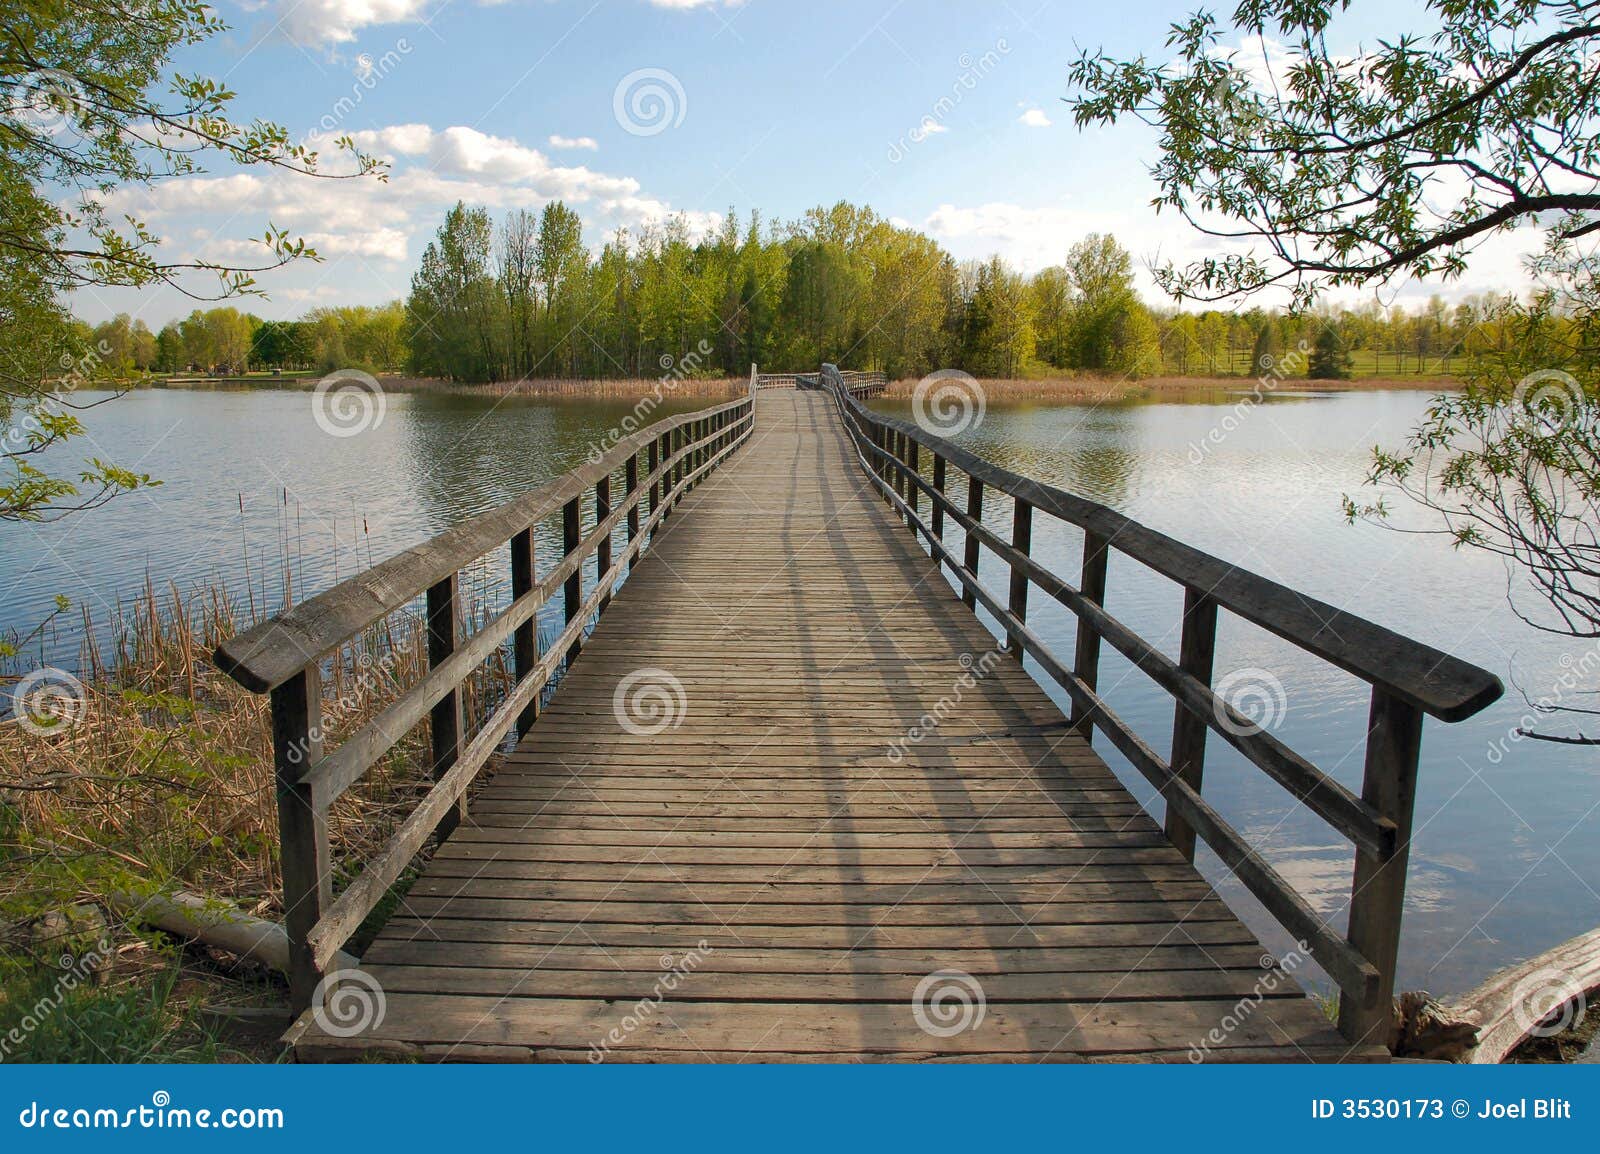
x: 996, y: 390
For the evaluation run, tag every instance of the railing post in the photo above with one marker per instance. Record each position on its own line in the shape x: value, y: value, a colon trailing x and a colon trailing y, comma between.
x: 1196, y: 653
x: 630, y: 479
x: 902, y: 484
x: 446, y: 718
x: 914, y: 462
x: 1389, y: 785
x: 975, y: 513
x: 302, y: 826
x: 525, y: 641
x: 602, y: 552
x: 571, y: 534
x: 1022, y: 542
x: 938, y: 505
x: 1086, y: 656
x: 652, y: 461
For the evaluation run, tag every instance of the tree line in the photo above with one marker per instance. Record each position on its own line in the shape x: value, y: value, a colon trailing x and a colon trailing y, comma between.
x: 525, y: 297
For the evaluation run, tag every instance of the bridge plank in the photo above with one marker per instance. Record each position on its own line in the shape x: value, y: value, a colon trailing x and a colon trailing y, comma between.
x: 849, y: 794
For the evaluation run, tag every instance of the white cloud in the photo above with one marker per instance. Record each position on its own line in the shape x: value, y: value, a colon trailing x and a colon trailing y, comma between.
x: 1034, y: 118
x: 584, y: 142
x: 384, y: 224
x: 319, y: 22
x: 1031, y: 238
x: 331, y: 22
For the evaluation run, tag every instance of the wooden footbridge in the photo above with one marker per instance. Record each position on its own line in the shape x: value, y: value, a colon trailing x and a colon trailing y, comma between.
x: 782, y: 796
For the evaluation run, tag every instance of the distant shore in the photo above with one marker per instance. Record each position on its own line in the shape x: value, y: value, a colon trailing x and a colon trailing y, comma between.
x: 1069, y: 389
x: 1059, y: 389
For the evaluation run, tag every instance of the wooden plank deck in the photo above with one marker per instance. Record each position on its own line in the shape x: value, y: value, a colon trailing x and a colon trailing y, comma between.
x: 761, y: 880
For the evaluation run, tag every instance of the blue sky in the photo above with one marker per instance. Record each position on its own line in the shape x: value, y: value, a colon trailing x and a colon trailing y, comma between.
x: 771, y: 104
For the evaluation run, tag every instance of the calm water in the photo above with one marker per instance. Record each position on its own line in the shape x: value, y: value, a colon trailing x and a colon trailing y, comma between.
x: 1507, y: 855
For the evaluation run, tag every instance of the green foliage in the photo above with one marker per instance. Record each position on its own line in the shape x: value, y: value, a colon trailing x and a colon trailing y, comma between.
x: 1268, y: 350
x: 62, y: 1016
x: 1329, y: 361
x: 1349, y: 168
x: 89, y: 105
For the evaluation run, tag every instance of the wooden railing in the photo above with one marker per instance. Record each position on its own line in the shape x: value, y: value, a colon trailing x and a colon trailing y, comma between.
x: 1408, y: 680
x: 859, y: 384
x: 283, y: 657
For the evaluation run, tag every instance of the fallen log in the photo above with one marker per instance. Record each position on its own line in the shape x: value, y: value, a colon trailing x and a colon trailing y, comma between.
x: 1541, y: 996
x: 212, y: 922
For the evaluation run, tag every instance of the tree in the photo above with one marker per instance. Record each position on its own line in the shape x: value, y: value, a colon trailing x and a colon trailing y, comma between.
x: 1267, y: 354
x: 451, y: 311
x: 80, y: 119
x: 1398, y: 161
x: 1329, y: 361
x: 1344, y: 168
x: 1101, y: 272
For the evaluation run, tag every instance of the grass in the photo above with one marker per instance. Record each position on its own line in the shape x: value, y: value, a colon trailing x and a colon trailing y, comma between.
x: 163, y: 779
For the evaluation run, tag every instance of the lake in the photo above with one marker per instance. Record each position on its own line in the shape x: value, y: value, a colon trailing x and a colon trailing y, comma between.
x: 1507, y: 851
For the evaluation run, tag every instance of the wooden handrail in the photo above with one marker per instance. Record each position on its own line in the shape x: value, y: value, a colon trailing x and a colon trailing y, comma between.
x: 1435, y: 682
x: 679, y: 452
x: 267, y: 655
x: 1408, y: 679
